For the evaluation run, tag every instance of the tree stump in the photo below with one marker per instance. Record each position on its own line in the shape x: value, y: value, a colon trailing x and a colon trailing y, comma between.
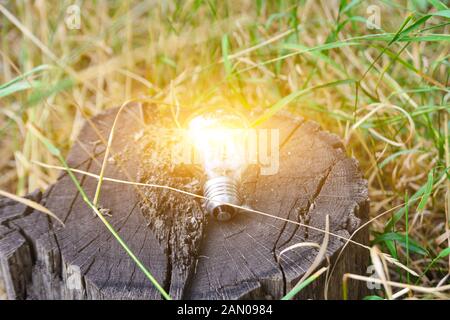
x: 191, y: 256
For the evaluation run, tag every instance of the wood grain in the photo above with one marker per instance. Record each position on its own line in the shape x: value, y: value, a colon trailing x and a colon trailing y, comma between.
x: 192, y: 256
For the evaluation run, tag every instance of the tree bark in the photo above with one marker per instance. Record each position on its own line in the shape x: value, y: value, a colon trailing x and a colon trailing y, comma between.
x: 191, y: 256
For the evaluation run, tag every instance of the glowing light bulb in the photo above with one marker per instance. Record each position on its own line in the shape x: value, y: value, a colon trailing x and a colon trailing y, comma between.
x: 219, y: 138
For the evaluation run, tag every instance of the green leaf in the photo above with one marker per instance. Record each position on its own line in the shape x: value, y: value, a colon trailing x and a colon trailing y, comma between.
x: 374, y: 297
x: 399, y: 213
x: 442, y: 13
x: 294, y: 95
x: 326, y: 46
x: 166, y: 60
x: 443, y: 253
x: 18, y: 86
x: 390, y: 244
x: 438, y: 4
x: 43, y: 92
x: 407, y: 240
x: 399, y: 32
x: 349, y: 6
x: 395, y: 155
x: 427, y: 193
x: 317, y: 51
x: 389, y: 37
x: 423, y: 194
x: 414, y: 26
x: 402, y: 240
x: 225, y: 51
x: 25, y: 75
x: 50, y: 146
x: 291, y: 294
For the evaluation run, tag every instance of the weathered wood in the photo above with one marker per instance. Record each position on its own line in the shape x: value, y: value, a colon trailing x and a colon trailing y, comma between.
x: 192, y: 256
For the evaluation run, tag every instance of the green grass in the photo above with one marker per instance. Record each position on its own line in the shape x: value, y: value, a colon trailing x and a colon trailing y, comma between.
x: 329, y: 68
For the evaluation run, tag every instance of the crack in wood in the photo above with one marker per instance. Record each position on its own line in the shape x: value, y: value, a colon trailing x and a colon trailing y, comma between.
x: 241, y: 255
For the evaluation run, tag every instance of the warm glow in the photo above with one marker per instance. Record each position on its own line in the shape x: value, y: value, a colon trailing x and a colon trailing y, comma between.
x: 220, y: 142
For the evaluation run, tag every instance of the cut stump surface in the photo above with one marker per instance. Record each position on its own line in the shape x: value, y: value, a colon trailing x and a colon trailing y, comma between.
x: 191, y: 256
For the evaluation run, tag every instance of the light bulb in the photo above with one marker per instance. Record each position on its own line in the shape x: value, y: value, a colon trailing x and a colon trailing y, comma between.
x: 219, y: 138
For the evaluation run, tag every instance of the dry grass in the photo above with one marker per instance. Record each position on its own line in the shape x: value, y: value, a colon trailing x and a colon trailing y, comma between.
x: 390, y: 106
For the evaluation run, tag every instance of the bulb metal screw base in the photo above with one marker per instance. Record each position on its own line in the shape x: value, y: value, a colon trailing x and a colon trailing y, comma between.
x: 220, y: 192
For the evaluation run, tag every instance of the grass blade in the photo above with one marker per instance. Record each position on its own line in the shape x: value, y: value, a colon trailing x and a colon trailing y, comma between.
x: 439, y: 5
x: 18, y: 86
x: 225, y: 54
x: 294, y: 95
x: 31, y: 204
x: 304, y: 284
x: 427, y: 192
x: 403, y: 240
x: 25, y: 75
